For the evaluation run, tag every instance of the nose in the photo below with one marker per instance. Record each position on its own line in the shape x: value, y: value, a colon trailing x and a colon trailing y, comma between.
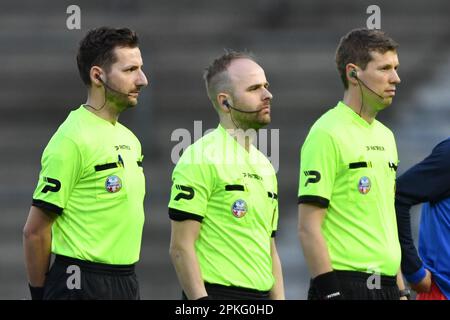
x: 395, y: 78
x: 267, y: 95
x: 142, y: 79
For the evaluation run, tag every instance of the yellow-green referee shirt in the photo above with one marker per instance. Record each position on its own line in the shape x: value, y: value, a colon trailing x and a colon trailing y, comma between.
x: 348, y: 166
x: 233, y: 193
x: 92, y: 178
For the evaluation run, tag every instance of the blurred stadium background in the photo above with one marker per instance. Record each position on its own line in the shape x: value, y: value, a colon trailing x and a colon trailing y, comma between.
x: 295, y: 41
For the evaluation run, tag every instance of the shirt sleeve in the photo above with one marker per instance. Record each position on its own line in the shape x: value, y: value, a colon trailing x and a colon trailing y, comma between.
x: 192, y: 185
x: 61, y: 170
x: 317, y: 169
x: 427, y: 181
x: 275, y: 221
x: 275, y: 209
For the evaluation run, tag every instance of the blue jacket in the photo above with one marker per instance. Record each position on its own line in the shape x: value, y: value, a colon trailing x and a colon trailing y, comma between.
x: 427, y: 182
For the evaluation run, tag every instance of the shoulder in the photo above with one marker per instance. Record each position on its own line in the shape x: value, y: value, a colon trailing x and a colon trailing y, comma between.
x: 329, y: 123
x: 442, y: 149
x: 203, y: 150
x: 383, y: 128
x: 126, y: 131
x: 66, y: 136
x: 74, y: 128
x: 443, y: 145
x: 324, y: 130
x: 130, y: 136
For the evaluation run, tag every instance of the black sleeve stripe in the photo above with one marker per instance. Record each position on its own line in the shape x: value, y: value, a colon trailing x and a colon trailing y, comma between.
x: 274, y: 233
x: 47, y: 206
x: 139, y: 163
x: 315, y: 200
x: 179, y: 215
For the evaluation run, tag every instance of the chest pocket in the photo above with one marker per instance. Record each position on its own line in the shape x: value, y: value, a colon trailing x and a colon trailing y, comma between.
x: 361, y: 182
x: 110, y: 181
x: 237, y: 201
x: 248, y: 206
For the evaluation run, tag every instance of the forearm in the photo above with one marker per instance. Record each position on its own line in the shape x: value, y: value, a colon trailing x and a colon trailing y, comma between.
x: 188, y: 271
x: 277, y: 291
x: 410, y: 261
x: 400, y: 282
x: 37, y: 250
x: 315, y: 251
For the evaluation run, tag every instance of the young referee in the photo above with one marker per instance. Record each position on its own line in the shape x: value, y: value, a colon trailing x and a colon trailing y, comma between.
x: 224, y: 202
x: 87, y: 208
x: 347, y: 222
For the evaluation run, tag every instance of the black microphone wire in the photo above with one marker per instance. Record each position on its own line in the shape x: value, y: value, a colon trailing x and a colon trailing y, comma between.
x: 362, y: 97
x: 104, y: 102
x: 231, y: 115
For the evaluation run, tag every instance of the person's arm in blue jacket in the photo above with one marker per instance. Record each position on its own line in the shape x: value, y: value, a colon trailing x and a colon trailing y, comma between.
x: 427, y: 181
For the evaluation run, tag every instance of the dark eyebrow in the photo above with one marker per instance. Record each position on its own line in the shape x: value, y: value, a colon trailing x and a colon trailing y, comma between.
x: 388, y: 65
x: 257, y: 86
x: 133, y: 66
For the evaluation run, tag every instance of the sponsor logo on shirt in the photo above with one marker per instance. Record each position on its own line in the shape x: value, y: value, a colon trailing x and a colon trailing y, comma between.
x: 375, y: 148
x: 313, y: 176
x: 183, y: 195
x: 53, y: 185
x: 122, y: 147
x: 252, y: 175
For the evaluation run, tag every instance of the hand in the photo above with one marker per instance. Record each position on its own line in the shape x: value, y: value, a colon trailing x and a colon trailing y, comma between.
x: 403, y: 298
x: 424, y: 285
x: 37, y: 293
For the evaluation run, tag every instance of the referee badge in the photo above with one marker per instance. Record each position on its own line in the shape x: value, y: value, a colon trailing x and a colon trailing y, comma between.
x: 113, y: 184
x: 364, y: 185
x: 239, y: 208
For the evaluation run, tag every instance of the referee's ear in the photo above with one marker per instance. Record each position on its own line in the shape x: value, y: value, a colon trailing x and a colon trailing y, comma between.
x: 352, y: 75
x: 95, y: 75
x: 223, y: 101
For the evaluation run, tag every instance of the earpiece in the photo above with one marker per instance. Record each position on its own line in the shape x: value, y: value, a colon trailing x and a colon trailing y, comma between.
x: 228, y: 105
x: 99, y: 78
x: 353, y: 74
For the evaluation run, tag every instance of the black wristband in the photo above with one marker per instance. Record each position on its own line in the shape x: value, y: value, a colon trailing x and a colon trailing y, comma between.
x: 204, y: 298
x: 37, y: 293
x: 405, y: 293
x: 327, y: 286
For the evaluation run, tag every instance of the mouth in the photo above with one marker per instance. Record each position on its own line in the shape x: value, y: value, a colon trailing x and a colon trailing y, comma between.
x: 134, y: 94
x: 265, y: 107
x: 391, y: 92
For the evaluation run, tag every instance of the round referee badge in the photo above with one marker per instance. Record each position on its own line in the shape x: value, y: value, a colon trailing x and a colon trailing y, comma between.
x: 113, y: 184
x: 239, y: 208
x: 364, y: 185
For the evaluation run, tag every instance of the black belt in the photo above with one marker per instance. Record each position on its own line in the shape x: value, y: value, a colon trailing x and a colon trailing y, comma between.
x: 119, y: 269
x: 238, y: 290
x: 363, y: 276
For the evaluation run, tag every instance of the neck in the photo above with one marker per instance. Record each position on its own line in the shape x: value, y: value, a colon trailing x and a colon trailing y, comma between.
x: 243, y: 136
x: 352, y: 98
x: 107, y: 112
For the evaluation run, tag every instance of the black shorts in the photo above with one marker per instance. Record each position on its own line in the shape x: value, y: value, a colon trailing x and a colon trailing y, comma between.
x: 220, y: 292
x: 73, y: 279
x: 362, y: 286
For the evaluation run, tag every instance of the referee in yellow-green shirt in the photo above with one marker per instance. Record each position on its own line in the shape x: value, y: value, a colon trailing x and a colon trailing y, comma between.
x: 224, y: 201
x: 87, y: 208
x: 347, y: 222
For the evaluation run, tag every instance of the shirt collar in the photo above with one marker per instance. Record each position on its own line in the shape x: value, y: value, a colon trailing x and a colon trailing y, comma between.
x: 349, y: 112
